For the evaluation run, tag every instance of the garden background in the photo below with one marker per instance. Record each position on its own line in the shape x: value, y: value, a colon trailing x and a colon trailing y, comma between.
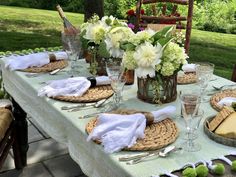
x: 33, y: 24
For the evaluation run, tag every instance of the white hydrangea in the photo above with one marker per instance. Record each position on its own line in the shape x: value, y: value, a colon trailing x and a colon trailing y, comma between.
x: 147, y: 57
x: 142, y: 36
x: 114, y: 38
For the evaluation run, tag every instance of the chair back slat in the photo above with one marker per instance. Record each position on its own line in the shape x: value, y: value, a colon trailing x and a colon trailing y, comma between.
x: 182, y: 2
x: 174, y: 18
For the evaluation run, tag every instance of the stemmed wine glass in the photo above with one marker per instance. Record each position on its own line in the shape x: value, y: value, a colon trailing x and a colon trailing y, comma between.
x: 204, y: 72
x: 115, y: 73
x: 72, y: 47
x: 190, y: 102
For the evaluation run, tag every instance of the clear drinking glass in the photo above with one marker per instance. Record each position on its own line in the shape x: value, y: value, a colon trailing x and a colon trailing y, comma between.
x: 72, y: 47
x: 204, y: 72
x: 190, y: 102
x: 196, y: 119
x: 115, y: 73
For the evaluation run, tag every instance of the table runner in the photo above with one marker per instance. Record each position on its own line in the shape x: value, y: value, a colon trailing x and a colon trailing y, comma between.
x: 66, y: 128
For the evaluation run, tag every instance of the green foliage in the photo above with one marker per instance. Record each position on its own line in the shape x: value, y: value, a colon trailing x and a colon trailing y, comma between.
x: 118, y: 8
x: 215, y: 15
x: 202, y: 171
x: 67, y: 5
x: 189, y: 172
x: 102, y: 50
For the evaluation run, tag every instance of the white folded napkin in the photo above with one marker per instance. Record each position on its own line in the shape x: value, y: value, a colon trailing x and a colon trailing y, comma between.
x: 189, y: 67
x: 61, y: 55
x: 227, y: 101
x: 117, y: 131
x: 31, y: 60
x: 75, y: 86
x: 103, y: 80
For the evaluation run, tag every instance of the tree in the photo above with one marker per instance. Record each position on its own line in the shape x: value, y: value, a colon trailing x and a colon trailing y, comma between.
x: 93, y: 6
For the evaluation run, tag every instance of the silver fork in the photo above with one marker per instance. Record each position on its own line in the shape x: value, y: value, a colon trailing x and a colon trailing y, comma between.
x: 88, y: 105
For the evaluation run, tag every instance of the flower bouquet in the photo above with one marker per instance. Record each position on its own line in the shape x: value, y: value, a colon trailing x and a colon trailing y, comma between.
x: 157, y: 60
x: 102, y: 38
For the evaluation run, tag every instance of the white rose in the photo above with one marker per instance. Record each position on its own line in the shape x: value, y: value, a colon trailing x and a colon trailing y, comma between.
x: 147, y: 57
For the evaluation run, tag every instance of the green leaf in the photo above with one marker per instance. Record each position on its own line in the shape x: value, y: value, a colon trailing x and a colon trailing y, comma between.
x: 158, y: 35
x: 166, y: 31
x: 102, y: 51
x: 84, y: 41
x: 164, y: 41
x: 127, y: 46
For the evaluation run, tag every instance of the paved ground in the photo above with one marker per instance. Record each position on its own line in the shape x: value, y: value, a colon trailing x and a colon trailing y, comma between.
x: 46, y: 158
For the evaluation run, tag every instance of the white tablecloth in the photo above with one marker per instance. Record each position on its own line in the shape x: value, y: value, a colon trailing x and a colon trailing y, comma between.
x: 66, y: 128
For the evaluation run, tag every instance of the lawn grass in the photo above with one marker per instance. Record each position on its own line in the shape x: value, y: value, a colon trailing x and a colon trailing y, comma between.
x: 24, y: 28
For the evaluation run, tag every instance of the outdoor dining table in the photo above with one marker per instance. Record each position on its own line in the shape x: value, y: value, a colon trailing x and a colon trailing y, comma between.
x: 66, y: 127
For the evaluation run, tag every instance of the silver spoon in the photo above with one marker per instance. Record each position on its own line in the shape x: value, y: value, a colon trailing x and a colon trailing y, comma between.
x: 162, y: 153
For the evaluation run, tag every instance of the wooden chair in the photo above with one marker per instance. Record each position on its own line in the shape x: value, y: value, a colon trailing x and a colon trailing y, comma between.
x: 144, y: 20
x: 7, y: 137
x: 233, y: 78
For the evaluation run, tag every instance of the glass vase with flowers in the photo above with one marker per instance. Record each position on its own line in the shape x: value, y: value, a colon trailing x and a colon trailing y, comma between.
x: 95, y: 35
x: 157, y: 60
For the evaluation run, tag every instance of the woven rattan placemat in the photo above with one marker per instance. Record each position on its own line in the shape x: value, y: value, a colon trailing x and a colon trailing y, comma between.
x: 187, y: 78
x: 157, y: 135
x: 218, y: 96
x: 93, y: 94
x: 59, y: 64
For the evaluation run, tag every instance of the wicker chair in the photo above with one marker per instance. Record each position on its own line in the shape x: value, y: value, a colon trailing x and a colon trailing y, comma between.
x: 233, y: 78
x: 163, y: 19
x: 7, y: 137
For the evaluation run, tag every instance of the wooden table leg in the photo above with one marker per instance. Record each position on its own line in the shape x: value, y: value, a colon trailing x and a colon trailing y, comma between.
x: 21, y: 131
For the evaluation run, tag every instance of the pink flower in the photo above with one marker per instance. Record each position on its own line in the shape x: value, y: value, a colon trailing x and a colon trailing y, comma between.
x: 130, y: 25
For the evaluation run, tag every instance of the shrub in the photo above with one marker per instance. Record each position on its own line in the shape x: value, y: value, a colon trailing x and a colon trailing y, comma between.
x: 215, y: 15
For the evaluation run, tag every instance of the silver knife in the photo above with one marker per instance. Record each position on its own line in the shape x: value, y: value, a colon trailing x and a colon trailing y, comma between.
x: 95, y: 104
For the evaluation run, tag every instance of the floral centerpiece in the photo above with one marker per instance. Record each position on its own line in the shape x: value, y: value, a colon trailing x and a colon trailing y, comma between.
x: 102, y: 39
x: 156, y: 60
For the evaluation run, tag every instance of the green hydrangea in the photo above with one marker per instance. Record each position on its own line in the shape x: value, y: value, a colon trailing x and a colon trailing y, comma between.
x: 167, y: 69
x: 219, y: 169
x: 202, y: 171
x: 189, y: 172
x: 173, y: 56
x: 233, y: 165
x: 128, y: 60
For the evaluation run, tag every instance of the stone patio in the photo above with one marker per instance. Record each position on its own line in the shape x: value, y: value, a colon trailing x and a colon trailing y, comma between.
x: 46, y: 158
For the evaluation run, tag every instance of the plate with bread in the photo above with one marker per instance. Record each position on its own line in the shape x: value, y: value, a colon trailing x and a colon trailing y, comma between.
x: 222, y: 127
